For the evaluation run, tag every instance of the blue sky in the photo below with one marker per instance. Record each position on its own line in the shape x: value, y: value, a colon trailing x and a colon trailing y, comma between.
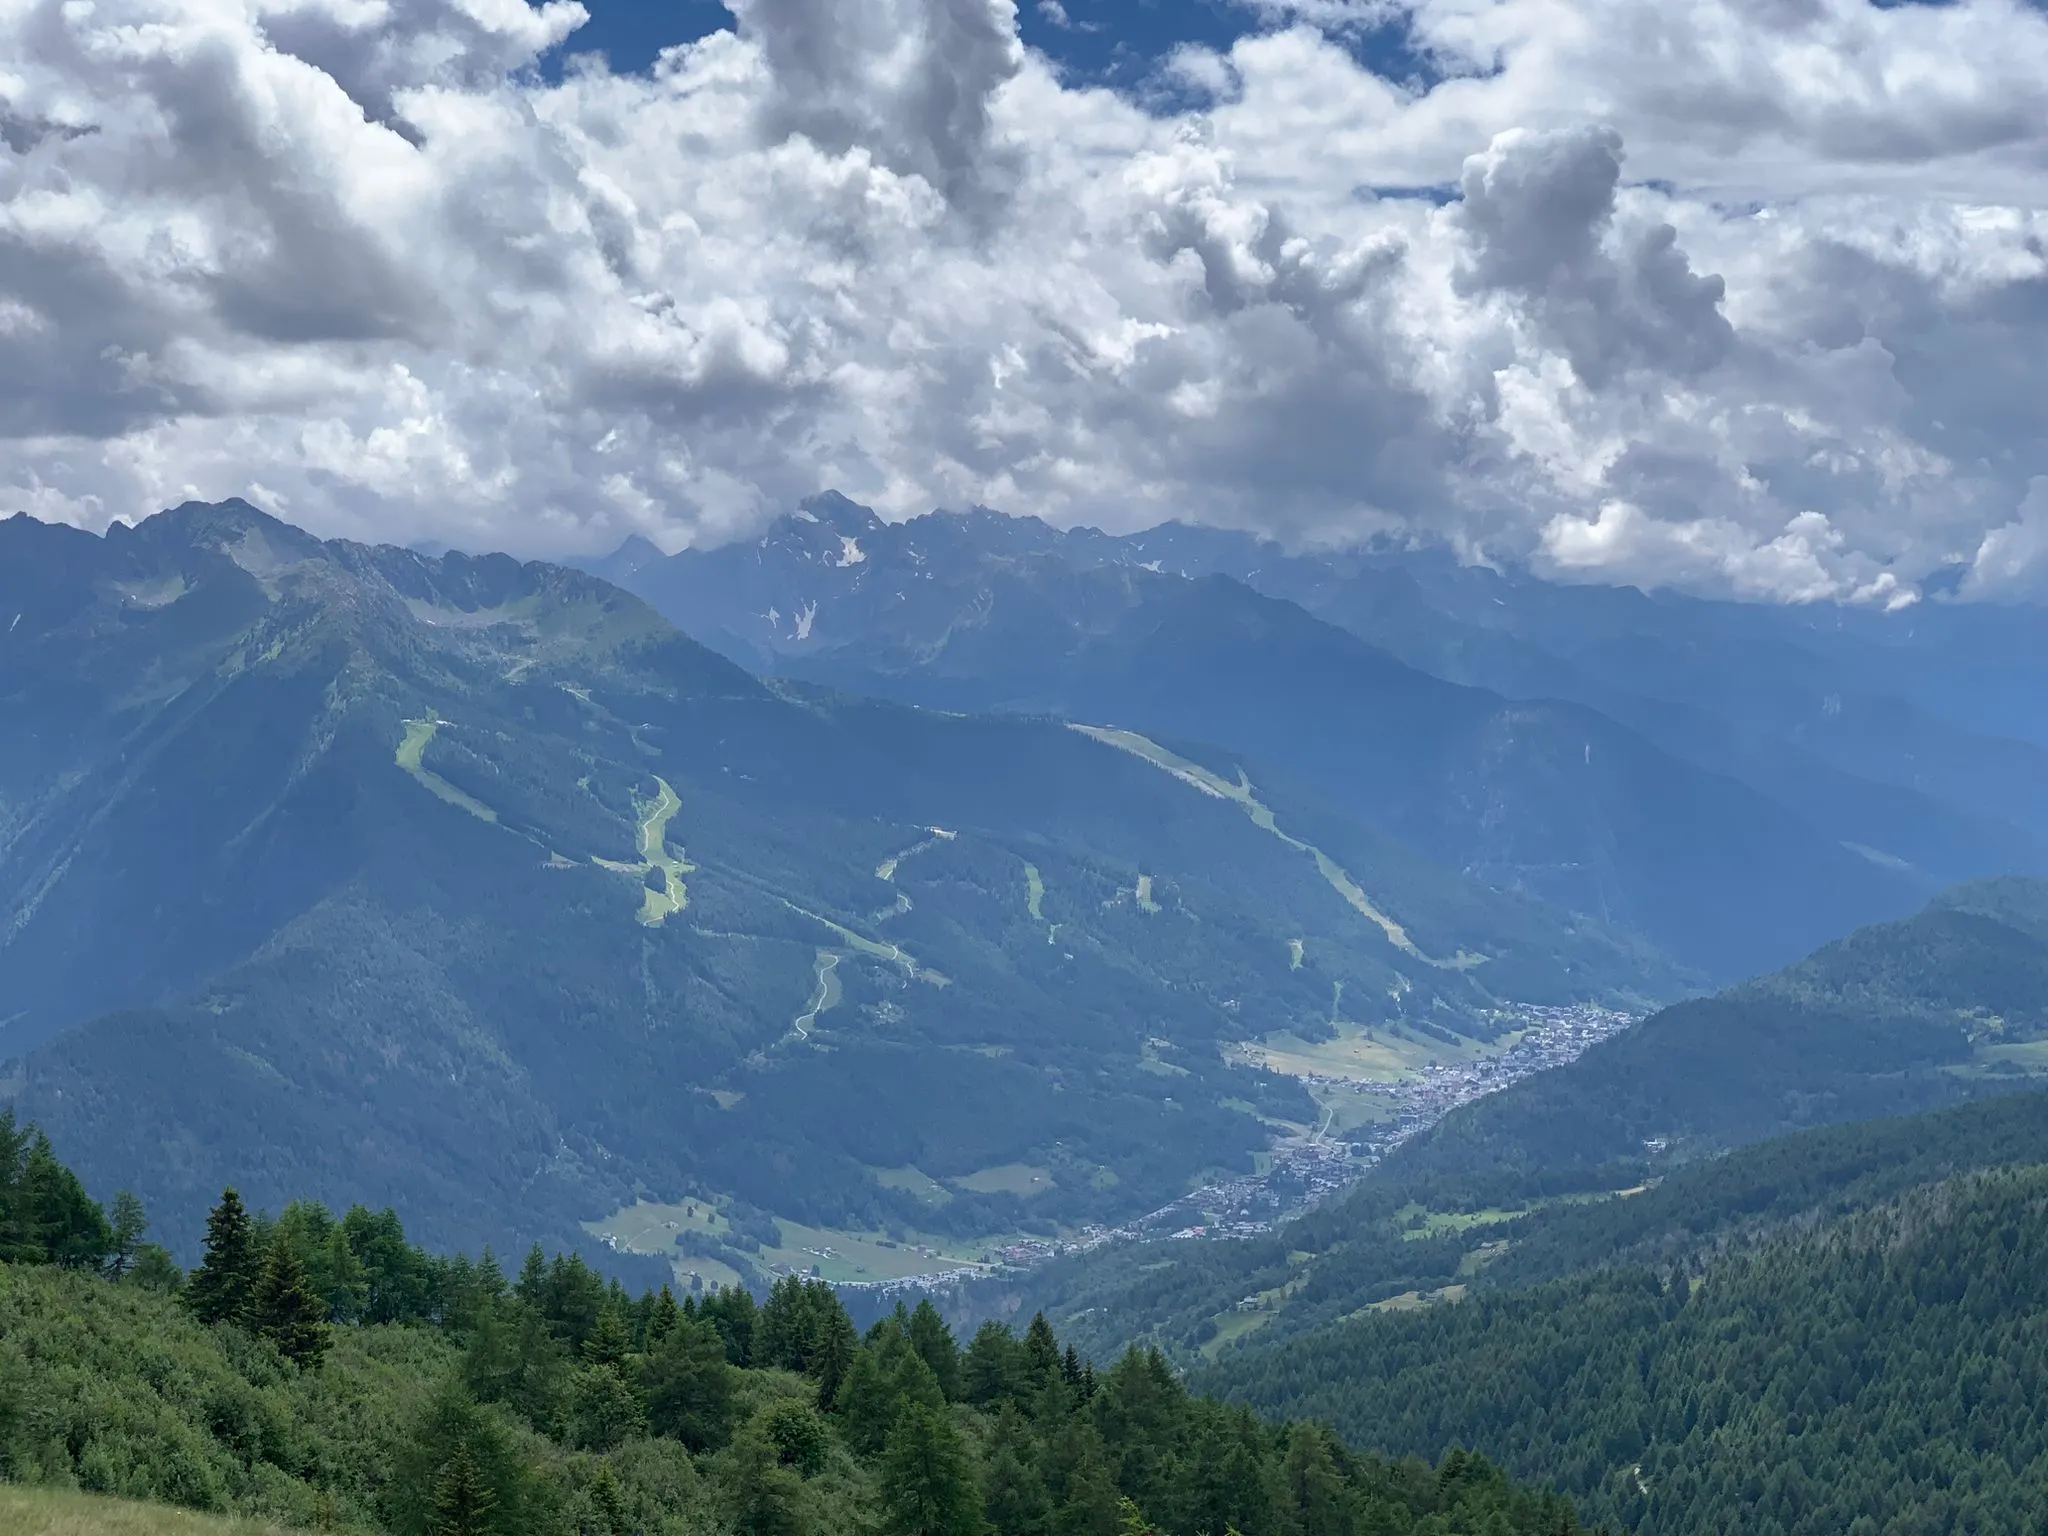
x: 1103, y: 42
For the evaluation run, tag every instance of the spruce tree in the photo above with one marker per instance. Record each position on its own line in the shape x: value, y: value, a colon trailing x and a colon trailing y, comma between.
x: 608, y: 1503
x: 1041, y: 1351
x: 285, y: 1309
x: 933, y: 1341
x: 221, y: 1288
x: 927, y: 1488
x: 463, y: 1501
x: 688, y: 1387
x: 663, y: 1320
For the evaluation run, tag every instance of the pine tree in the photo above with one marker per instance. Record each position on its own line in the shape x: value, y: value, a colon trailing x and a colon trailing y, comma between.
x: 1041, y: 1350
x: 688, y: 1387
x: 608, y: 1503
x: 663, y: 1320
x: 926, y: 1487
x: 221, y: 1288
x: 764, y: 1497
x: 463, y: 1502
x: 284, y: 1308
x: 835, y: 1355
x: 933, y: 1341
x: 610, y: 1341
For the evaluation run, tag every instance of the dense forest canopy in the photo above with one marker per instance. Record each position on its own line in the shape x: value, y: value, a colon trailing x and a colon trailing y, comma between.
x: 327, y: 1373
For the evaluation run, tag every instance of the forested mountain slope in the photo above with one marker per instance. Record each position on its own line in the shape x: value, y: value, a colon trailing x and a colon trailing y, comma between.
x: 1895, y: 1017
x: 1877, y: 1374
x: 1949, y: 1005
x: 475, y: 887
x: 1527, y: 792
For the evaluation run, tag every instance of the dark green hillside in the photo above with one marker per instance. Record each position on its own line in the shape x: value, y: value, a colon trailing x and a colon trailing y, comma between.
x: 1376, y: 1248
x: 1950, y: 1005
x: 328, y: 1375
x: 474, y: 888
x: 1897, y: 1017
x: 1880, y: 1374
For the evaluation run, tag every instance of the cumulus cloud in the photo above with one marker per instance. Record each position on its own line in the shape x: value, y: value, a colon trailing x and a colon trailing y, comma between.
x: 1747, y: 296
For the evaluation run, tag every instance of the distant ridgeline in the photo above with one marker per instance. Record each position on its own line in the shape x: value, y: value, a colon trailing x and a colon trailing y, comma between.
x: 330, y: 1375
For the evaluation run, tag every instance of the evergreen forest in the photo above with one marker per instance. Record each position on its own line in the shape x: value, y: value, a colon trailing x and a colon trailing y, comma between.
x: 326, y: 1373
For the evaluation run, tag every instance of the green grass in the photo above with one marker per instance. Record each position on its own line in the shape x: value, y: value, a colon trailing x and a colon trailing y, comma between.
x: 915, y: 1181
x: 674, y: 896
x: 411, y: 756
x: 2030, y: 1055
x: 839, y: 1254
x: 1008, y: 1179
x: 50, y: 1512
x: 1145, y: 901
x: 1034, y: 893
x: 1436, y: 1223
x: 1381, y: 1054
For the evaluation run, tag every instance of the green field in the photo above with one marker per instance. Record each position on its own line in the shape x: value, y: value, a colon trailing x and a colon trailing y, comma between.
x: 1034, y: 893
x: 49, y: 1512
x: 673, y: 897
x: 2030, y: 1056
x: 836, y: 1255
x: 1009, y: 1179
x: 411, y: 756
x: 1379, y: 1054
x: 917, y: 1182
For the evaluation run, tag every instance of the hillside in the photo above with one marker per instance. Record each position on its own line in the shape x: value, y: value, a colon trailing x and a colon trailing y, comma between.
x: 1896, y: 1017
x: 315, y: 1373
x: 1874, y: 1375
x: 475, y: 888
x: 1526, y: 792
x: 1950, y: 1005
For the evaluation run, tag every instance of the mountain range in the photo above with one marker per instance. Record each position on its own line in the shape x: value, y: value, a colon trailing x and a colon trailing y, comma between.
x: 1734, y: 783
x: 475, y: 887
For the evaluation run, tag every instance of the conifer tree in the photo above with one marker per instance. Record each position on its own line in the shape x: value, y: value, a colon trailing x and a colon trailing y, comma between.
x: 663, y: 1320
x: 933, y: 1341
x: 463, y: 1501
x: 1041, y: 1350
x: 688, y: 1387
x: 221, y: 1288
x: 927, y: 1489
x: 610, y: 1341
x: 609, y: 1504
x: 284, y: 1308
x: 764, y: 1497
x: 835, y: 1355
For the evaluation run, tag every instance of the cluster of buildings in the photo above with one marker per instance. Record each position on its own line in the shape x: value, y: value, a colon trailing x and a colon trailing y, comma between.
x: 1306, y: 1170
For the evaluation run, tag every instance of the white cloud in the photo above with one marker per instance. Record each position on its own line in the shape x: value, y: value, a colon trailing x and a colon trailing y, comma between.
x: 1745, y: 295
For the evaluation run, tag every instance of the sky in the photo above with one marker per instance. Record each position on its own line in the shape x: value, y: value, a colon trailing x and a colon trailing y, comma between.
x: 1744, y: 297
